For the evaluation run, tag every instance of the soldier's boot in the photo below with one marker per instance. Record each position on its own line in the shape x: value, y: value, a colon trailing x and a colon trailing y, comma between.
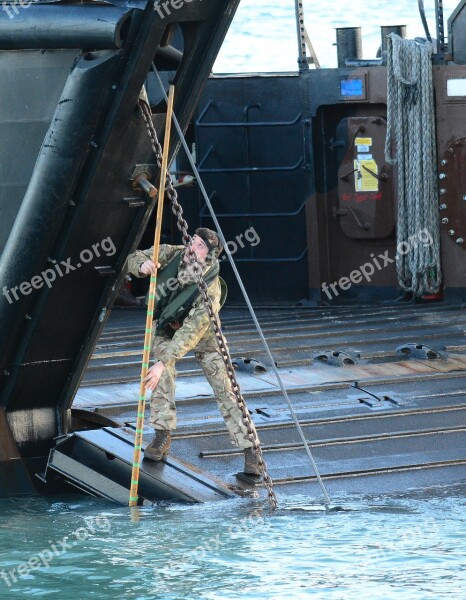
x: 159, y: 446
x: 251, y: 463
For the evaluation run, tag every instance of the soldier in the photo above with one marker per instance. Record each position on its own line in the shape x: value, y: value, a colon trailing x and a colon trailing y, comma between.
x: 183, y: 324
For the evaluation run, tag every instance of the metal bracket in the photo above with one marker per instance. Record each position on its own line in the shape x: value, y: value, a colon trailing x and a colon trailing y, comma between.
x: 418, y: 351
x: 333, y: 143
x: 380, y: 400
x: 140, y: 179
x: 337, y: 358
x: 105, y: 270
x: 135, y: 202
x: 267, y: 412
x: 248, y: 365
x: 339, y: 212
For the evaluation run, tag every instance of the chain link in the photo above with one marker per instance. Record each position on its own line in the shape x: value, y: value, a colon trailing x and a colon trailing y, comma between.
x: 183, y: 228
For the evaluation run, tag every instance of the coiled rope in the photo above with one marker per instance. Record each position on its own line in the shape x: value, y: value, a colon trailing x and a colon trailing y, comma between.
x: 411, y: 124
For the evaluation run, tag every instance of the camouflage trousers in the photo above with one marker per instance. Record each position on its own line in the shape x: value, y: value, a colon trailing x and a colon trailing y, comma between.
x: 163, y: 408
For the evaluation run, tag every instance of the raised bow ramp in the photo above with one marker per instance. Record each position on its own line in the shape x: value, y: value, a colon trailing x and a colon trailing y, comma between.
x: 71, y: 139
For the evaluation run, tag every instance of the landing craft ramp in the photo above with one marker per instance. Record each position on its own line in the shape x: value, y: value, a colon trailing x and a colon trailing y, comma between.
x: 392, y: 421
x: 71, y: 142
x: 99, y: 463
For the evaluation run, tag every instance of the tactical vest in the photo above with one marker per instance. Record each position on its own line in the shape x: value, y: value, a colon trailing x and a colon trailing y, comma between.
x: 173, y: 303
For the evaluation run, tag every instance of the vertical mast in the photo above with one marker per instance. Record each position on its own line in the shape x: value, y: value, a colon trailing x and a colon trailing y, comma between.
x: 304, y: 43
x: 440, y: 27
x: 301, y: 31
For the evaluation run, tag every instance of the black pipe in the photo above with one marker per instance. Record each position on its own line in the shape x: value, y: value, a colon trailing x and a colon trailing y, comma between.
x: 422, y: 14
x: 53, y: 27
x: 385, y: 31
x: 168, y: 58
x: 45, y: 204
x: 349, y: 44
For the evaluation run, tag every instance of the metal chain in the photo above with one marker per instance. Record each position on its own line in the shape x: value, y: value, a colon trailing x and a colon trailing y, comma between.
x: 183, y: 228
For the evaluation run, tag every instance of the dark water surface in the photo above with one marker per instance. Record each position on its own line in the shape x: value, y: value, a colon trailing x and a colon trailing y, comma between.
x: 379, y: 547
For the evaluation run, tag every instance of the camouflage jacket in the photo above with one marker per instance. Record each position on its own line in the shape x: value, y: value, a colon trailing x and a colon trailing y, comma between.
x: 196, y: 326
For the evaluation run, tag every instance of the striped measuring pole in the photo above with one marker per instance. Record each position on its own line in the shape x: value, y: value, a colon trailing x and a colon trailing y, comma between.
x: 133, y: 496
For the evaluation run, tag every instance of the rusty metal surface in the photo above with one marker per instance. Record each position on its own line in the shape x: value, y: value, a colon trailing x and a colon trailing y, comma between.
x: 14, y: 477
x: 365, y: 181
x: 451, y: 127
x: 338, y: 249
x: 452, y: 184
x: 8, y: 447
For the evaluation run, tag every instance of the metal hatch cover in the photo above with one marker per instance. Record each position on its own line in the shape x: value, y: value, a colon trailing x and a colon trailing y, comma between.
x: 365, y: 180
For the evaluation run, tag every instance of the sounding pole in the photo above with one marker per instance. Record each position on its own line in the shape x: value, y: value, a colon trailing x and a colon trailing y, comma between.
x: 133, y: 496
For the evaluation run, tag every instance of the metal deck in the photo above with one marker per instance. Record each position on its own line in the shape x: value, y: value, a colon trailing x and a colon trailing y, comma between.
x: 100, y: 463
x: 386, y: 423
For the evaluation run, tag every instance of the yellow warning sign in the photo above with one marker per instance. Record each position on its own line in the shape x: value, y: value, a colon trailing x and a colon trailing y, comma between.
x: 365, y: 179
x: 363, y: 141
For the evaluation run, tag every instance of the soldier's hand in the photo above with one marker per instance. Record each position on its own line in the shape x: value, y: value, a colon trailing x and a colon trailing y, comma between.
x: 151, y: 380
x: 148, y: 268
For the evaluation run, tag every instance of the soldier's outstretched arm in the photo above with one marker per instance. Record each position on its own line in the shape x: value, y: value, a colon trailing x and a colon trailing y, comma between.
x: 144, y: 257
x: 153, y: 375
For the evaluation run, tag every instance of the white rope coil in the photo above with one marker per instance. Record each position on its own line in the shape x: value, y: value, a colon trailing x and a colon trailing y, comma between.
x: 411, y: 125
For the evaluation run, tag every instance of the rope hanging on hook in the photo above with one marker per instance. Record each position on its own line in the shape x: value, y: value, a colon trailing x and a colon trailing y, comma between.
x: 411, y: 125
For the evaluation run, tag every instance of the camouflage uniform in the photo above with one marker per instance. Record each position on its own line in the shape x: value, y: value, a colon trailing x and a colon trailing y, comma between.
x: 194, y: 334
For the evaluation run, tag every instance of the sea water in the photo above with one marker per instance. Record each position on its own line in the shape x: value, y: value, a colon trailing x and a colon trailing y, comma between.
x: 405, y: 547
x: 263, y: 33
